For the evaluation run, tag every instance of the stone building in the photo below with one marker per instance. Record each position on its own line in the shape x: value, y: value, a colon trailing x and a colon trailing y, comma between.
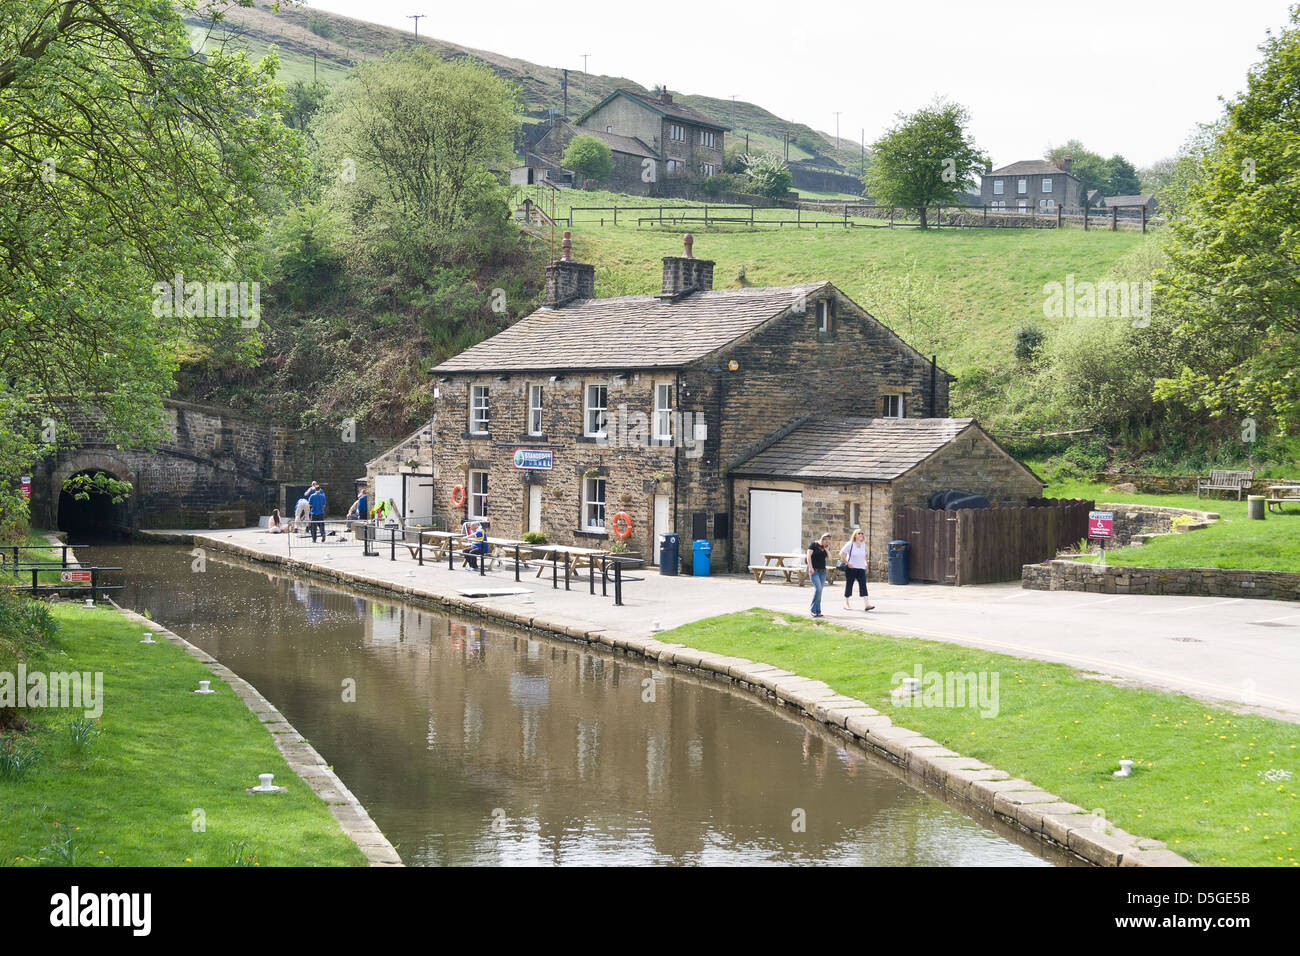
x: 1030, y: 184
x: 654, y: 140
x: 1130, y: 205
x: 648, y: 404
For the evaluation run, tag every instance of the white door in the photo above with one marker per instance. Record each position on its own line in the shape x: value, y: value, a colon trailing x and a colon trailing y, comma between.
x: 662, y: 525
x: 775, y: 523
x: 388, y: 488
x: 534, y: 507
x: 419, y: 499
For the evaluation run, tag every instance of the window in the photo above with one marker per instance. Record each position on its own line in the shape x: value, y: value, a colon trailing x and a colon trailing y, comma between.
x: 997, y: 187
x: 593, y: 504
x: 1022, y: 205
x: 1022, y: 187
x: 708, y: 138
x: 708, y: 169
x: 534, y: 409
x: 1047, y: 184
x: 851, y: 515
x: 823, y: 315
x: 478, y: 491
x: 892, y: 406
x: 478, y: 410
x: 594, y: 420
x: 675, y: 167
x: 609, y: 129
x: 664, y: 411
x: 677, y: 132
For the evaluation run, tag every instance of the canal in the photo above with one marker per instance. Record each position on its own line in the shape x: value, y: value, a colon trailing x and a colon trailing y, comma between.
x: 484, y: 745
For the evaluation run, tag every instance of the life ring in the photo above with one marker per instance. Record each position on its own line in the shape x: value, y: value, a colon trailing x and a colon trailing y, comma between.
x: 626, y: 518
x: 458, y: 495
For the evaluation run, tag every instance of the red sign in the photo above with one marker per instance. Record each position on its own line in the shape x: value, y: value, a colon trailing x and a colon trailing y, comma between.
x: 72, y: 577
x: 1101, y: 524
x: 27, y: 487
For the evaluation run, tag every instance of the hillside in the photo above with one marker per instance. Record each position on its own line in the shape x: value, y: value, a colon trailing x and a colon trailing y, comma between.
x: 340, y: 42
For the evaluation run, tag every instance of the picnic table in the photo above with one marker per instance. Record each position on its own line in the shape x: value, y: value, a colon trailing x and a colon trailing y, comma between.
x: 1279, y: 495
x: 576, y: 558
x: 792, y: 565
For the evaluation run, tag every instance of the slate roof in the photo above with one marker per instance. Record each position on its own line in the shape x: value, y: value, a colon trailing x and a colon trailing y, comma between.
x: 673, y: 110
x: 1128, y: 200
x: 629, y: 332
x: 619, y: 144
x: 1030, y: 167
x: 853, y: 449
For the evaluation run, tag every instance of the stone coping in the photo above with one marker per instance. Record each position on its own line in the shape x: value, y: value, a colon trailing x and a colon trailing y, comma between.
x: 1015, y: 801
x: 302, y: 756
x: 1066, y: 575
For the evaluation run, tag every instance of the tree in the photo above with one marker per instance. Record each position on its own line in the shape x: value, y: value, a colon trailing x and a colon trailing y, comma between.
x: 927, y: 158
x: 1233, y: 276
x: 1121, y: 177
x: 1171, y: 179
x: 1111, y: 177
x: 408, y: 149
x: 766, y: 174
x: 125, y: 161
x: 590, y: 157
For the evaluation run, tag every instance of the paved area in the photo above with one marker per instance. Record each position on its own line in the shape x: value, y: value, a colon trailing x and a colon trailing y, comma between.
x: 1236, y: 651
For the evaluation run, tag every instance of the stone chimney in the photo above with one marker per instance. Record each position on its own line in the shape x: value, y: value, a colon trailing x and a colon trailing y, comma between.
x: 1068, y: 163
x: 685, y: 274
x: 566, y: 280
x: 664, y: 95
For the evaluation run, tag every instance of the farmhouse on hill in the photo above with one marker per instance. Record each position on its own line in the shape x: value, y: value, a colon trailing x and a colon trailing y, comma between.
x: 655, y: 141
x: 1030, y: 184
x: 688, y: 411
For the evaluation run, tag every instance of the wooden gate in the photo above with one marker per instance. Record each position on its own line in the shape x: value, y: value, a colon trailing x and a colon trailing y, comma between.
x: 981, y: 546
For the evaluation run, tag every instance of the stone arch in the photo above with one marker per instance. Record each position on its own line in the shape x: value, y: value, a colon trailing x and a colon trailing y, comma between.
x: 107, y: 460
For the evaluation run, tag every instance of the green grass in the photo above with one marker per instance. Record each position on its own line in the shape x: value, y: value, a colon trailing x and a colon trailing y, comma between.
x: 1198, y: 779
x: 1232, y: 542
x: 129, y: 797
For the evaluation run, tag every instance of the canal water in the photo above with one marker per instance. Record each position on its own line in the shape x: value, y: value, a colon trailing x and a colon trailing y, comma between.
x: 484, y: 745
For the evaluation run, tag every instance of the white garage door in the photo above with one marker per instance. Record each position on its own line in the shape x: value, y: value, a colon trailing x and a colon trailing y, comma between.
x: 775, y: 523
x: 388, y: 488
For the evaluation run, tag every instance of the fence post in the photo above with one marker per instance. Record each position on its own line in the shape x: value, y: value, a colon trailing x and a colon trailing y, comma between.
x: 1059, y: 211
x: 34, y: 591
x: 616, y: 215
x: 451, y: 552
x: 94, y: 584
x: 986, y: 212
x: 1144, y: 220
x: 1114, y: 218
x: 419, y: 538
x: 604, y: 575
x: 516, y: 563
x: 618, y: 583
x: 555, y: 581
x: 1085, y: 216
x: 483, y: 557
x: 392, y: 544
x: 566, y: 572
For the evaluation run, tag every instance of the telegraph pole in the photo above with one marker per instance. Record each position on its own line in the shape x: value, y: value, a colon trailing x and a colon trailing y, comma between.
x: 584, y: 62
x: 417, y: 17
x: 837, y: 130
x: 565, y: 114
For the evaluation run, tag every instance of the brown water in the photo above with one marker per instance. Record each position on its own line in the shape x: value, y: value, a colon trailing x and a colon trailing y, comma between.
x: 483, y: 745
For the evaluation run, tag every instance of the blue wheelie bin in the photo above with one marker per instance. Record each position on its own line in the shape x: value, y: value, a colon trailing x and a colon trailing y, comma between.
x: 668, y: 553
x: 898, y: 570
x: 700, y: 549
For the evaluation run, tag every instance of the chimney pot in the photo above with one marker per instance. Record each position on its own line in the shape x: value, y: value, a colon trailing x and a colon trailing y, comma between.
x: 567, y: 280
x: 566, y: 246
x: 687, y: 241
x: 685, y: 274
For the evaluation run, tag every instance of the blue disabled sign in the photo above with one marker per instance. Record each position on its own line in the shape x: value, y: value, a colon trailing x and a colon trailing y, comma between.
x: 533, y: 458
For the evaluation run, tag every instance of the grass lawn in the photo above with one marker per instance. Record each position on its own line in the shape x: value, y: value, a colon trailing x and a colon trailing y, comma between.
x: 1199, y: 776
x: 1233, y: 542
x: 166, y: 759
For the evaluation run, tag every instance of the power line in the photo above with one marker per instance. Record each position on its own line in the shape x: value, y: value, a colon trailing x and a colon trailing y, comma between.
x: 417, y: 17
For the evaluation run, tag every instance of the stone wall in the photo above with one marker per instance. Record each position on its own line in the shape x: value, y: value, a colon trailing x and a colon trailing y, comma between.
x: 973, y: 462
x: 1153, y: 484
x: 1062, y: 575
x: 1142, y: 521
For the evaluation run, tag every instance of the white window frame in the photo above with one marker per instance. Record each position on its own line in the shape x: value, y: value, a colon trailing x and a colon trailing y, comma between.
x: 894, y: 406
x: 708, y: 138
x: 675, y: 167
x: 1022, y: 187
x: 1022, y: 205
x: 535, y: 410
x: 825, y: 315
x: 479, y: 412
x: 677, y: 132
x: 998, y: 187
x: 708, y: 169
x: 477, y: 498
x: 588, y: 408
x: 593, y: 507
x: 663, y: 420
x: 1047, y: 184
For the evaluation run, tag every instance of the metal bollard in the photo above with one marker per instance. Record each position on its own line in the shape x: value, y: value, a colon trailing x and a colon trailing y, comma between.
x: 419, y: 547
x: 618, y: 583
x: 554, y: 570
x: 516, y: 563
x: 392, y: 544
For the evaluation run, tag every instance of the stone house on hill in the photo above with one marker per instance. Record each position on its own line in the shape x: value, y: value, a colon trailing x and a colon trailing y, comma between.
x: 1030, y: 184
x: 629, y: 153
x: 669, y: 408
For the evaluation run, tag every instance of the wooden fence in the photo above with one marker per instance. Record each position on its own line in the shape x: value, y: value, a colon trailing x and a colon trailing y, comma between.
x: 984, y: 545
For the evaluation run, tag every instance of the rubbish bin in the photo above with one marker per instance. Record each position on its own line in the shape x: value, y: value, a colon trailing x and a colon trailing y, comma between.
x: 898, y: 562
x: 1255, y: 507
x: 668, y: 553
x: 700, y: 549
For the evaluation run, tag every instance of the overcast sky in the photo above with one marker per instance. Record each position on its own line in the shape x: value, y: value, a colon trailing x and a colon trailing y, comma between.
x: 1123, y: 76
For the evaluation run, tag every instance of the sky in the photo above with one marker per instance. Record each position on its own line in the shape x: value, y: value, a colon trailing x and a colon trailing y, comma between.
x: 1122, y: 76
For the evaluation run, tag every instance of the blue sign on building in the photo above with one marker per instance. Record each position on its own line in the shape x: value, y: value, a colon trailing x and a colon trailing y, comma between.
x: 534, y: 458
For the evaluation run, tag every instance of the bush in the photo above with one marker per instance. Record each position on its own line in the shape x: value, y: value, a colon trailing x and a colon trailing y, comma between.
x: 722, y: 183
x: 1029, y: 340
x: 533, y: 537
x: 590, y: 157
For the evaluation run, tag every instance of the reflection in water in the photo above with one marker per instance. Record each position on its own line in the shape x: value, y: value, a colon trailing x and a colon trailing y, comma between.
x: 485, y: 745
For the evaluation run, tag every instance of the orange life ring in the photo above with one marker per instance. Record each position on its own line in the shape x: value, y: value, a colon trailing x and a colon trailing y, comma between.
x: 458, y: 495
x: 627, y: 521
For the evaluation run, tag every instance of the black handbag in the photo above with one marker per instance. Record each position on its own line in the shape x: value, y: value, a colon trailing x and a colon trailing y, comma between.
x: 842, y: 566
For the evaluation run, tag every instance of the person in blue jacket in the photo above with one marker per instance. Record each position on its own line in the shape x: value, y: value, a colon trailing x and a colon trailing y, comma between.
x: 316, y: 503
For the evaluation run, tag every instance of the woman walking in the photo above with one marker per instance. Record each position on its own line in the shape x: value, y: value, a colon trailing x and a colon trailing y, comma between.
x: 854, y: 555
x: 817, y: 571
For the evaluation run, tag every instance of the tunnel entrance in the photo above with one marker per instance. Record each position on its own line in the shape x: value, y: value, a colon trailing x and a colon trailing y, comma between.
x: 97, y: 516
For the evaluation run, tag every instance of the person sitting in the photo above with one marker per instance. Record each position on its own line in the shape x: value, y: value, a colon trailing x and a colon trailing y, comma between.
x: 301, y: 512
x: 276, y: 524
x: 476, y: 534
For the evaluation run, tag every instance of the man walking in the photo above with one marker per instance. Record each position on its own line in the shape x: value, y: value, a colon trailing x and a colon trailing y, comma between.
x: 316, y: 501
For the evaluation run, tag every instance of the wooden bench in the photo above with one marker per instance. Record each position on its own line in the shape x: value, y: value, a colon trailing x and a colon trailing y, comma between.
x: 1279, y: 495
x: 1225, y: 480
